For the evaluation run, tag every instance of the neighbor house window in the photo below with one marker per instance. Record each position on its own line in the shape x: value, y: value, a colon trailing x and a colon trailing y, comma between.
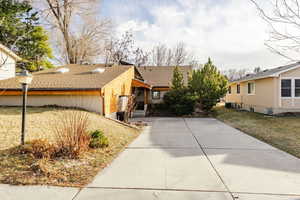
x: 297, y: 87
x: 229, y: 90
x: 251, y: 88
x: 238, y: 88
x: 286, y: 88
x: 155, y: 94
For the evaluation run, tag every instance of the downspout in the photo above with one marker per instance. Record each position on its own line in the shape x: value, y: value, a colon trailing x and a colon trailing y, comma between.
x: 279, y: 91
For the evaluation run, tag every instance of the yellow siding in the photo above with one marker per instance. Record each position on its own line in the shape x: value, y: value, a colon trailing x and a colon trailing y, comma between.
x: 292, y: 73
x: 119, y: 86
x: 265, y: 95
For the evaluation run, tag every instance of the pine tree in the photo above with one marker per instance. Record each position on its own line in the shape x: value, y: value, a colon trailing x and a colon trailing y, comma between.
x: 19, y: 31
x: 208, y: 85
x: 177, y: 80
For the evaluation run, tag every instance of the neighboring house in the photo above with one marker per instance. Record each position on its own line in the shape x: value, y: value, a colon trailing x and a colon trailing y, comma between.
x: 92, y: 87
x: 159, y: 78
x: 8, y: 61
x: 271, y: 91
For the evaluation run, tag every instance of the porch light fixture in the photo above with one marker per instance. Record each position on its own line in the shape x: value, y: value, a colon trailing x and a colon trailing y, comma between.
x: 24, y: 79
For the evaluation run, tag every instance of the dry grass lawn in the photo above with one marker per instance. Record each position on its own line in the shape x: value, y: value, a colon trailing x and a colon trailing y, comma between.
x: 281, y: 132
x: 18, y: 169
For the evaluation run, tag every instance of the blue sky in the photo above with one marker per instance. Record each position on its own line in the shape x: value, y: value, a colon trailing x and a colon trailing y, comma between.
x: 229, y: 31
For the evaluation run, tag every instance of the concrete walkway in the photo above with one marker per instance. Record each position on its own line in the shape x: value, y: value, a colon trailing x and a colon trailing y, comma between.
x: 192, y: 159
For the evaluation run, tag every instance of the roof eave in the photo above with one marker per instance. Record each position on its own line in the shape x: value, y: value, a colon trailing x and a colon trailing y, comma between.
x: 51, y: 89
x: 10, y: 53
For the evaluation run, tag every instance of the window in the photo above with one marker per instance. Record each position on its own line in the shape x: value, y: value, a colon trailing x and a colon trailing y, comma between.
x: 251, y: 88
x: 155, y: 94
x: 297, y: 87
x: 229, y: 90
x: 238, y: 88
x: 286, y: 88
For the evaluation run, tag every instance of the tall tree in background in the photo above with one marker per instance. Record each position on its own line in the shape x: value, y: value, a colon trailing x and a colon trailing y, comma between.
x: 257, y: 70
x: 20, y: 32
x: 234, y: 74
x: 161, y: 55
x: 119, y: 49
x: 208, y: 85
x: 81, y: 33
x: 180, y: 54
x: 124, y: 49
x: 283, y: 18
x: 177, y: 80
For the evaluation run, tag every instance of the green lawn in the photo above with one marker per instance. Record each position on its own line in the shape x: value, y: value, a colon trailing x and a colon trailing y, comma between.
x: 281, y: 132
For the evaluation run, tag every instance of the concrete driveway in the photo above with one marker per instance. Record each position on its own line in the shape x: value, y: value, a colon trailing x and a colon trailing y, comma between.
x: 178, y: 159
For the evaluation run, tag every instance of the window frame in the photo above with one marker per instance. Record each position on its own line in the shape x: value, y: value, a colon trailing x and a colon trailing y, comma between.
x: 238, y: 88
x: 291, y: 79
x: 252, y: 92
x: 229, y: 89
x: 159, y: 95
x: 294, y: 89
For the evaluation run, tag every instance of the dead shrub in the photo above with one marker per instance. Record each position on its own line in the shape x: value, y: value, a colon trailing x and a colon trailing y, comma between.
x: 71, y: 132
x: 39, y: 149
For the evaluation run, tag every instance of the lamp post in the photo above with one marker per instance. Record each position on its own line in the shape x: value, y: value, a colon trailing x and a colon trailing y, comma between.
x: 25, y: 79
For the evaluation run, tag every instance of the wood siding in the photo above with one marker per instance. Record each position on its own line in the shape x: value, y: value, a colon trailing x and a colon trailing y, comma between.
x: 119, y: 86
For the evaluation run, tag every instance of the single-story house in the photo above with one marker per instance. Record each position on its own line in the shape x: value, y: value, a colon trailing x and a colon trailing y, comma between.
x: 96, y: 88
x: 92, y: 87
x: 160, y: 78
x: 271, y: 91
x: 8, y: 61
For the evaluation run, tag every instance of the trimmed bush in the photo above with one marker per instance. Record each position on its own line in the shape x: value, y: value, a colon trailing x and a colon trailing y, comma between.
x: 179, y: 102
x: 98, y: 140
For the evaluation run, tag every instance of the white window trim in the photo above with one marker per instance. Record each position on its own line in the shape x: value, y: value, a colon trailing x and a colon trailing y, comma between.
x: 292, y: 87
x: 253, y: 93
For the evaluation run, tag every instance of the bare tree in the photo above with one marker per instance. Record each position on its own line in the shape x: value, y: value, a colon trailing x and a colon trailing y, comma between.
x: 234, y: 74
x: 284, y: 21
x: 140, y: 57
x: 180, y: 54
x: 257, y: 70
x: 159, y: 55
x: 88, y: 43
x: 162, y: 55
x: 76, y: 44
x: 117, y: 50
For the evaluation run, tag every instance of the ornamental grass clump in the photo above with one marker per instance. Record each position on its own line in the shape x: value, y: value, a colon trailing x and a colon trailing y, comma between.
x: 71, y: 132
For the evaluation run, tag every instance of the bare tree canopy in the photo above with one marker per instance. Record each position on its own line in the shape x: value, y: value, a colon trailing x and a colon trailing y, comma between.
x: 78, y: 32
x: 234, y: 74
x: 283, y: 17
x: 119, y: 49
x: 161, y: 55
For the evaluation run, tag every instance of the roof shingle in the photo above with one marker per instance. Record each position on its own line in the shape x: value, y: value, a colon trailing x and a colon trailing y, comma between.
x: 161, y: 76
x: 79, y: 77
x: 268, y: 73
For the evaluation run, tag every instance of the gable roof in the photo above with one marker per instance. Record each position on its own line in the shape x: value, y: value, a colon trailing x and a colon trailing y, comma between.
x: 9, y: 52
x: 161, y: 76
x: 275, y: 72
x: 79, y: 77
